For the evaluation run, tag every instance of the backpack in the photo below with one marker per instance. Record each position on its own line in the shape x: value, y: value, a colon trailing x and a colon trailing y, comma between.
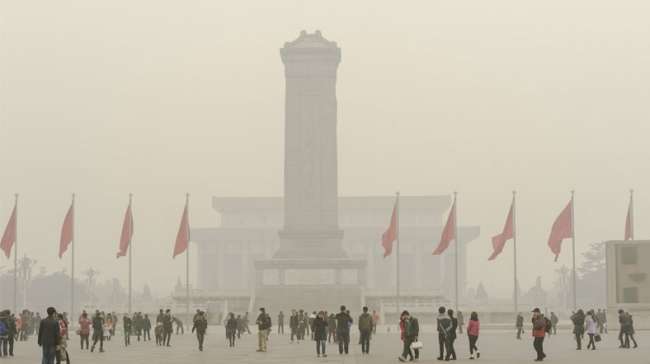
x: 549, y: 325
x: 4, y: 331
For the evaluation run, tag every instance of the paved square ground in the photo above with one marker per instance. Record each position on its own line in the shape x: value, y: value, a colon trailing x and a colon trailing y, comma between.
x: 496, y: 347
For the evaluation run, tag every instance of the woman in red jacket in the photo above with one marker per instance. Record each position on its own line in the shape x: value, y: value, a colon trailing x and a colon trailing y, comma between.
x: 472, y: 333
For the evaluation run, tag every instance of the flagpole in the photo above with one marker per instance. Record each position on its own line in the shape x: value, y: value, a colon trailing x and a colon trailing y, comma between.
x: 71, y: 317
x: 631, y: 214
x: 130, y: 258
x: 16, y: 257
x: 573, y: 247
x: 514, y: 246
x: 397, y: 255
x: 456, y: 246
x: 187, y: 256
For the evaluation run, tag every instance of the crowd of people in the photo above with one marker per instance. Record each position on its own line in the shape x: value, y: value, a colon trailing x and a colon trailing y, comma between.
x: 320, y: 327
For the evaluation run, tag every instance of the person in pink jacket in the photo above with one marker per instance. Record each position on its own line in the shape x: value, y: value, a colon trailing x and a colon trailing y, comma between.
x: 473, y: 328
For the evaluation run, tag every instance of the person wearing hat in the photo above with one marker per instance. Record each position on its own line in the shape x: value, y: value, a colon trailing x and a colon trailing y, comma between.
x: 539, y: 333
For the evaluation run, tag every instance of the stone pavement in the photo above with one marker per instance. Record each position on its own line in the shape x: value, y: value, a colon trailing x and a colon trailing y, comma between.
x: 496, y: 347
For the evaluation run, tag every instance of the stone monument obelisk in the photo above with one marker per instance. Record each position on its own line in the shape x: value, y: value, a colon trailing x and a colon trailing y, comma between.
x: 311, y: 226
x: 310, y: 262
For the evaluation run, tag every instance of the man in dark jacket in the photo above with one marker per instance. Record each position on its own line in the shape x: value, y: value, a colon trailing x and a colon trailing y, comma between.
x: 410, y: 332
x: 293, y: 325
x: 319, y: 328
x: 444, y: 330
x: 365, y: 329
x: 98, y: 332
x: 200, y: 326
x: 49, y: 336
x: 519, y: 324
x: 578, y: 320
x: 128, y: 325
x: 343, y: 322
x: 146, y: 327
x: 167, y: 327
x: 263, y: 329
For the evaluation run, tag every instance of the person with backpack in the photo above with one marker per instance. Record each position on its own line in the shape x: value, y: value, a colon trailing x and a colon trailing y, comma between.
x: 410, y: 330
x: 473, y: 327
x: 263, y: 329
x: 541, y: 326
x: 365, y: 330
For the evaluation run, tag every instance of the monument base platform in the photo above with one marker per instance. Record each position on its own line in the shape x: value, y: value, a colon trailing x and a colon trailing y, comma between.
x: 311, y: 284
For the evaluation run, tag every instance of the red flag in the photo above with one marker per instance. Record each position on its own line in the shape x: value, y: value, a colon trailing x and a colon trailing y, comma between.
x: 448, y: 233
x: 629, y: 235
x: 499, y: 241
x: 183, y: 236
x: 9, y: 236
x: 390, y: 235
x: 562, y: 229
x: 67, y: 231
x: 127, y: 233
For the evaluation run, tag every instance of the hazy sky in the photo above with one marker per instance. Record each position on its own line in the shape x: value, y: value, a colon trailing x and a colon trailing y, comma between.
x: 160, y: 98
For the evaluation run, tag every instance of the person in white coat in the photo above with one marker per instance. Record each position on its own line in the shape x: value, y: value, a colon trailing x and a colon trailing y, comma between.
x: 591, y: 324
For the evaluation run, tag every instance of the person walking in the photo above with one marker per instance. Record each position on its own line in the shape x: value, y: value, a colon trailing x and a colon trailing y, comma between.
x: 461, y: 321
x: 281, y: 323
x: 231, y: 329
x: 293, y: 325
x: 128, y: 327
x: 554, y: 322
x: 539, y: 333
x: 343, y: 322
x: 98, y: 332
x: 331, y: 325
x: 591, y: 323
x: 519, y: 324
x: 451, y: 337
x: 444, y: 327
x: 200, y: 326
x: 84, y: 330
x: 49, y: 336
x: 629, y: 331
x: 473, y: 328
x: 146, y: 328
x: 578, y: 320
x: 61, y: 348
x: 168, y: 329
x: 365, y: 330
x: 319, y: 329
x: 409, y: 332
x: 263, y: 329
x: 375, y: 321
x: 4, y: 333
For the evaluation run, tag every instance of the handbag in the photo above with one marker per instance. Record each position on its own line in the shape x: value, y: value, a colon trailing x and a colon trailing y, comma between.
x: 416, y: 345
x: 597, y: 338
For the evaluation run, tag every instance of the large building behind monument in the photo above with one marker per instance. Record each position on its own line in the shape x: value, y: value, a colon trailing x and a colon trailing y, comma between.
x: 314, y: 247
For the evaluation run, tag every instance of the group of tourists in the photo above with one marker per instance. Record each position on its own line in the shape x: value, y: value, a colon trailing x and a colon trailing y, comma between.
x: 320, y: 326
